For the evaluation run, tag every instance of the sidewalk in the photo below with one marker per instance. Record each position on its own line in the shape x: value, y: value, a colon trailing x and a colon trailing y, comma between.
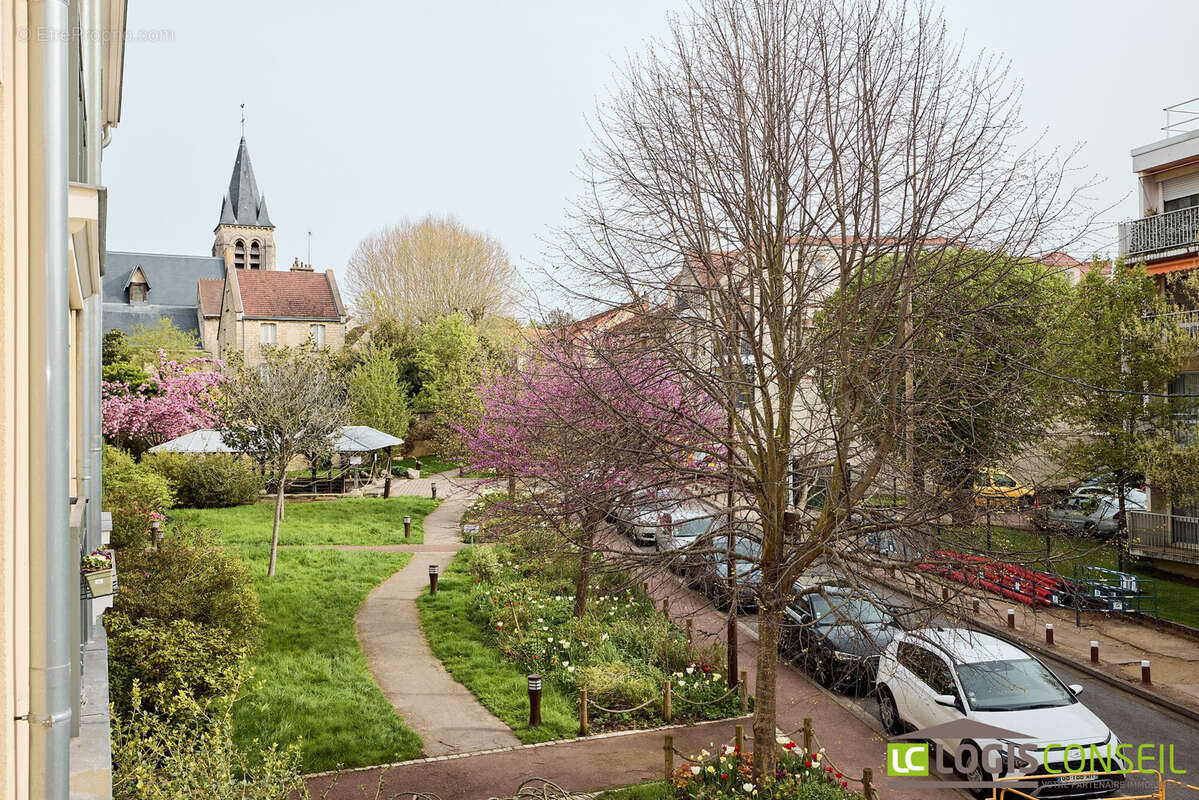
x: 446, y: 715
x: 1174, y: 658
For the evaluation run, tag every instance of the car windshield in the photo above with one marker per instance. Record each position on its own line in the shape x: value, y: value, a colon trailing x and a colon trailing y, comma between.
x: 692, y: 528
x: 855, y: 610
x: 1017, y: 685
x: 748, y: 550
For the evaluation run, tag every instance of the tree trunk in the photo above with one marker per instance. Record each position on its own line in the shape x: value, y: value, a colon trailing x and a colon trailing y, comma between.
x: 270, y: 570
x: 765, y: 706
x: 584, y: 579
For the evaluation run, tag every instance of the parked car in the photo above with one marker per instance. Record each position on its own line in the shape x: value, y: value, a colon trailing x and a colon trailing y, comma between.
x: 838, y: 636
x: 1000, y: 490
x: 935, y: 676
x: 637, y: 514
x: 708, y: 567
x: 678, y: 525
x: 1088, y: 512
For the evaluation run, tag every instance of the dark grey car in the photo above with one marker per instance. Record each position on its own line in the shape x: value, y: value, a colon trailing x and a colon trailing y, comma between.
x: 708, y: 569
x: 837, y: 635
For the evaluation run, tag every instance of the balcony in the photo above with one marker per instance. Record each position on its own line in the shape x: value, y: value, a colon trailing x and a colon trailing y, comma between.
x: 1164, y: 532
x: 1161, y: 236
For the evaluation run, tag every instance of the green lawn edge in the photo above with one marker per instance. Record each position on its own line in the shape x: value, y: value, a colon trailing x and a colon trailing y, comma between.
x: 654, y: 790
x: 467, y: 652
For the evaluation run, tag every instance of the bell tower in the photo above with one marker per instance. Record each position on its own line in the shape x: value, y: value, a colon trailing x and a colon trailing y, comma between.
x: 244, y: 237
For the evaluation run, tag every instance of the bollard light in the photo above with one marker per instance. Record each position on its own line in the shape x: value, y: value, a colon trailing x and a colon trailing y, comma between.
x: 407, y: 527
x: 433, y: 570
x: 433, y: 489
x: 1048, y: 633
x: 944, y: 594
x: 534, y: 700
x: 976, y: 606
x: 1094, y: 652
x: 156, y: 534
x: 1145, y: 678
x: 1011, y: 619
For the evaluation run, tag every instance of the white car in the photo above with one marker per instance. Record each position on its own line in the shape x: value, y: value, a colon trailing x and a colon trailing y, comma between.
x: 681, y: 525
x: 935, y: 676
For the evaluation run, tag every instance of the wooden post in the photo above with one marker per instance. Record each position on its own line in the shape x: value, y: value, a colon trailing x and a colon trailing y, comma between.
x: 739, y: 741
x: 690, y: 638
x: 807, y: 734
x: 666, y: 700
x: 583, y: 726
x: 1094, y: 652
x: 743, y: 691
x: 868, y: 783
x: 666, y: 607
x: 668, y: 753
x: 387, y: 480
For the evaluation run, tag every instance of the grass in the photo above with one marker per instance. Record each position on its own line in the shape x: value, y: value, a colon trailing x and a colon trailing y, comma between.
x: 357, y: 520
x: 1178, y: 600
x: 654, y: 790
x: 311, y: 683
x: 473, y: 660
x: 429, y: 465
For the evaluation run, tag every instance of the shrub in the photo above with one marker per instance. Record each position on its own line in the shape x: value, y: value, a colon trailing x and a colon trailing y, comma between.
x: 153, y: 759
x: 484, y: 564
x: 617, y: 684
x: 135, y: 494
x: 170, y: 668
x: 190, y: 578
x: 211, y: 480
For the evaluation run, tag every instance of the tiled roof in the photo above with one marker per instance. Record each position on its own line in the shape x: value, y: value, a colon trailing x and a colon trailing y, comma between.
x: 211, y: 294
x: 270, y: 294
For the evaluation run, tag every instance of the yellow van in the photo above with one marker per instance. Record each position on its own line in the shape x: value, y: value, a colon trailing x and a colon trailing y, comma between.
x: 1000, y: 490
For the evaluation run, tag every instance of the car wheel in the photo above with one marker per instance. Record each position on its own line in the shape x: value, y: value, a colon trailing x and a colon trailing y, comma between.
x: 977, y: 775
x: 888, y: 712
x: 1090, y: 529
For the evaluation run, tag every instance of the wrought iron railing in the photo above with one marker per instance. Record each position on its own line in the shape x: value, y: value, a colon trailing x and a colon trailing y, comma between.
x: 1167, y: 531
x: 1172, y: 230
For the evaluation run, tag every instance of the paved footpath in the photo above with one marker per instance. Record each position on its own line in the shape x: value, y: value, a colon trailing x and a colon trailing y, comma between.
x: 446, y: 715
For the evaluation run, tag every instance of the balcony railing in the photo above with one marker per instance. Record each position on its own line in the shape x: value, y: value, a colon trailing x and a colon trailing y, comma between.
x: 1158, y: 235
x: 1166, y: 531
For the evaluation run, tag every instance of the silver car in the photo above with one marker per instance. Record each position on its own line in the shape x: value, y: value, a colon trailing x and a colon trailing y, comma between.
x: 678, y: 526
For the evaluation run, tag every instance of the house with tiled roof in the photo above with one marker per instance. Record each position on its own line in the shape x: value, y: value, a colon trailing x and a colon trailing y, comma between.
x: 234, y: 300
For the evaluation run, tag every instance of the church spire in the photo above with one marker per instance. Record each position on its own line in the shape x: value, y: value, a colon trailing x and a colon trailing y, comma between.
x: 243, y: 204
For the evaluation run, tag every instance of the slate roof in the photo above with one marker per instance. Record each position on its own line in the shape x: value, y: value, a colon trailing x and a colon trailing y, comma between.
x: 243, y: 204
x: 271, y: 294
x: 172, y: 288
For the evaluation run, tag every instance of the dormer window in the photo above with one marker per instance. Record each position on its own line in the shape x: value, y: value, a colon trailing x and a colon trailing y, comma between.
x: 239, y: 254
x: 255, y: 256
x: 138, y: 292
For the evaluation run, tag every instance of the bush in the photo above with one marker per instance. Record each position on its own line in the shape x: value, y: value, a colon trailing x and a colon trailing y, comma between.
x: 211, y: 480
x: 484, y: 564
x: 619, y: 685
x: 173, y: 669
x: 135, y: 494
x: 153, y: 759
x: 190, y: 578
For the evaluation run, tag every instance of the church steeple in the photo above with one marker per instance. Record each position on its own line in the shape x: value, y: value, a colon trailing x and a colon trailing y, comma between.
x: 245, y: 235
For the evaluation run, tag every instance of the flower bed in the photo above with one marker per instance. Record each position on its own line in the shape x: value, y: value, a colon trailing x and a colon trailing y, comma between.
x: 622, y: 652
x: 729, y: 774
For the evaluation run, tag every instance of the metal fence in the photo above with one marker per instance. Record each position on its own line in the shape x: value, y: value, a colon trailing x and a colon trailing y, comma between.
x: 1162, y: 232
x: 1166, y: 531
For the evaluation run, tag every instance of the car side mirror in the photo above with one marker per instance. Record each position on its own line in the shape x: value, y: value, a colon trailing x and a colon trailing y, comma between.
x: 947, y: 700
x: 1075, y: 689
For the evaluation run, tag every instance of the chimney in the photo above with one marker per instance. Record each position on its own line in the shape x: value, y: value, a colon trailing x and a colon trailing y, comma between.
x: 299, y: 266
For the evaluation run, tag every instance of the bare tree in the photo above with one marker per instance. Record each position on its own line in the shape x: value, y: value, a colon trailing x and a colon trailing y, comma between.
x: 288, y: 405
x: 802, y: 190
x: 416, y: 272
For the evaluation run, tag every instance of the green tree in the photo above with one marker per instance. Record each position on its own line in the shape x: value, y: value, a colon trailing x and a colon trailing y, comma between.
x: 376, y: 395
x: 1126, y: 350
x: 453, y: 360
x: 146, y: 340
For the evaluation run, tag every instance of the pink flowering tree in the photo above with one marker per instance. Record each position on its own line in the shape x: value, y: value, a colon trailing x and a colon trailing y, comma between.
x: 179, y: 397
x: 582, y: 425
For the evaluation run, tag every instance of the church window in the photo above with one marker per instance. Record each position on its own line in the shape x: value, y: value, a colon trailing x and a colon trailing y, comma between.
x: 267, y: 334
x: 255, y: 256
x: 239, y: 254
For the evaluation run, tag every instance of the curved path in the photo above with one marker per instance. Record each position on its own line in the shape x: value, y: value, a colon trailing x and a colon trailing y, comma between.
x: 447, y: 716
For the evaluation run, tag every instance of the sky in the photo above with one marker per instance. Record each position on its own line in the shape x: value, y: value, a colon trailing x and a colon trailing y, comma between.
x: 361, y: 114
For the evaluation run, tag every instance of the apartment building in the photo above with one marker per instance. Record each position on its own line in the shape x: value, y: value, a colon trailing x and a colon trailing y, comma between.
x: 61, y: 64
x: 1166, y: 239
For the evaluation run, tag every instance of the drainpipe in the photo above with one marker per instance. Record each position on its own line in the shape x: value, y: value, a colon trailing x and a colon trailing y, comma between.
x: 52, y: 565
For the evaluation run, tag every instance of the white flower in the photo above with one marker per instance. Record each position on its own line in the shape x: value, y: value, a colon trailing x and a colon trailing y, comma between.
x: 550, y: 639
x: 748, y: 787
x: 563, y: 643
x: 690, y: 670
x: 715, y: 676
x: 695, y: 769
x: 570, y: 668
x: 566, y: 663
x: 711, y: 769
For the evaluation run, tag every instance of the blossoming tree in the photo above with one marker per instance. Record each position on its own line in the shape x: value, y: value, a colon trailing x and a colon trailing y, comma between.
x: 582, y: 424
x: 179, y: 397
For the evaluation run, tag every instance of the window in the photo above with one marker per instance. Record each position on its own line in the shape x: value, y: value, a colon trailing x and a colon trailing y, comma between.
x: 239, y: 254
x: 138, y: 292
x: 931, y: 669
x: 1003, y: 481
x: 1178, y: 203
x: 316, y: 334
x: 267, y: 334
x: 255, y: 256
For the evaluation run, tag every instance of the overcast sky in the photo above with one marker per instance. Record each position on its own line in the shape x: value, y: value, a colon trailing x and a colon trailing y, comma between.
x: 364, y: 113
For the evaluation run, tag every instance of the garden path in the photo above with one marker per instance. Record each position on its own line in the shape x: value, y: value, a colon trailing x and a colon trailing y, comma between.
x: 446, y: 715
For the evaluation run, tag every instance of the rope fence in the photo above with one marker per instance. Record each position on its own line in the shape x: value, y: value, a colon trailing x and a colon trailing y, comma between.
x: 665, y: 701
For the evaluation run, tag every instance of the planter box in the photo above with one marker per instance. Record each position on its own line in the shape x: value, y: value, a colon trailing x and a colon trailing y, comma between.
x: 100, y: 582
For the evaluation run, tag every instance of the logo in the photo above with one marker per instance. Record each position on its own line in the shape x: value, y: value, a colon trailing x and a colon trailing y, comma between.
x: 907, y: 758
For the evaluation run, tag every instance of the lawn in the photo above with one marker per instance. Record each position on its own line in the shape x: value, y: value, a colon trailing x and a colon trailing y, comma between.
x: 355, y: 520
x: 429, y: 465
x: 470, y: 656
x: 1178, y: 600
x: 311, y: 684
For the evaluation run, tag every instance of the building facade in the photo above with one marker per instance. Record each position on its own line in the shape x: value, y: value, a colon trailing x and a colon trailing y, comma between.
x: 61, y: 66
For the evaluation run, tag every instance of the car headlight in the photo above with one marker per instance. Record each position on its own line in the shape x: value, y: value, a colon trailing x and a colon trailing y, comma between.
x: 841, y: 655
